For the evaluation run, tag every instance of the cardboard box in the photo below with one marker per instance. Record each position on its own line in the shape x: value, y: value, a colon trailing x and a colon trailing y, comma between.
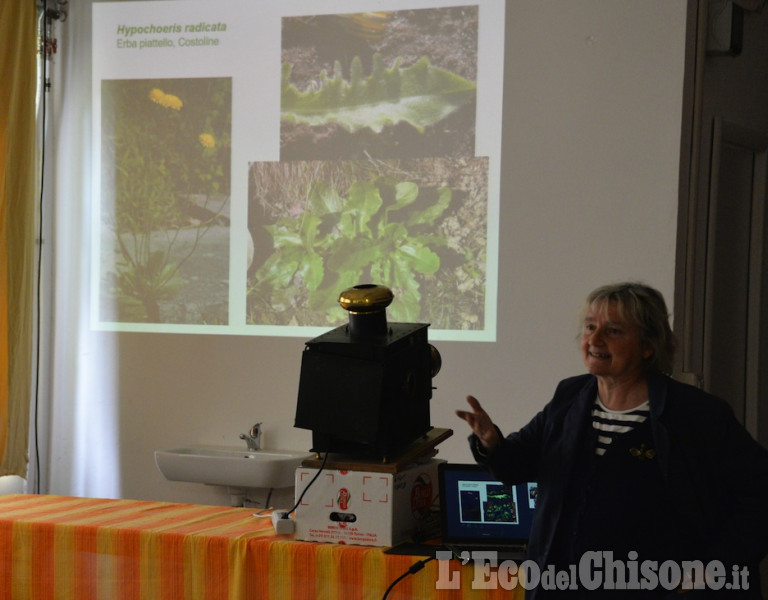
x: 365, y: 507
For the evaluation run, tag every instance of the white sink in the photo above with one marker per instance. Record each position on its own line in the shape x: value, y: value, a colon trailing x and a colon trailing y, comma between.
x: 230, y: 466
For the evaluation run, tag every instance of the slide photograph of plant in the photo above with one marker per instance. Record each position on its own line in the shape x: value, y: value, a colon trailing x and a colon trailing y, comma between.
x: 469, y: 501
x: 500, y: 505
x: 165, y: 190
x: 379, y: 84
x: 416, y: 226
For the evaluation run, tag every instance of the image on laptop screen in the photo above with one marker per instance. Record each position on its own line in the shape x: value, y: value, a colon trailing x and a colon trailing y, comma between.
x: 476, y: 509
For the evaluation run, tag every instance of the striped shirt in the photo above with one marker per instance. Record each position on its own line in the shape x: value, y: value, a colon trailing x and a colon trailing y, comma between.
x: 611, y: 423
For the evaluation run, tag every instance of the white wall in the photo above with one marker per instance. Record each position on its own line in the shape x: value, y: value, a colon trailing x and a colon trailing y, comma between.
x: 589, y: 196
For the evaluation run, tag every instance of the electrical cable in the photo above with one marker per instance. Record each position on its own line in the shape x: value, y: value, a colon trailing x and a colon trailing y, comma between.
x: 45, y: 20
x: 301, y: 497
x: 44, y: 86
x: 414, y: 568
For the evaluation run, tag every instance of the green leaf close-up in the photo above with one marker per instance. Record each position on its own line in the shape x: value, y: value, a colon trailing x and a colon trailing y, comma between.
x: 420, y: 95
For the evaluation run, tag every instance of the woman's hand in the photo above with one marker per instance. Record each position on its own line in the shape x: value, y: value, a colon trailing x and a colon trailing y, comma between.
x: 481, y: 424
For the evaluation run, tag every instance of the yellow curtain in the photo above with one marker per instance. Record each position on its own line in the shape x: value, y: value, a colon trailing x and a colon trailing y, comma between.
x: 18, y: 65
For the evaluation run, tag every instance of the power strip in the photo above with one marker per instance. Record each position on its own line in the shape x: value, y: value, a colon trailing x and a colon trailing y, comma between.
x: 283, y: 525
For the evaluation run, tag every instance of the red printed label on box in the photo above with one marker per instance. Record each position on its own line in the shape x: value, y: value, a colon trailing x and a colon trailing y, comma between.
x: 421, y: 494
x: 343, y: 499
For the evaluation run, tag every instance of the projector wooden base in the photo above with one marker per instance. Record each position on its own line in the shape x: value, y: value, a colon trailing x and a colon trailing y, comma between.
x: 421, y: 449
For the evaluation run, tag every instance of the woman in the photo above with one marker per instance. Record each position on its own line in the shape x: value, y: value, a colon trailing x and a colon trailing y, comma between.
x: 632, y: 462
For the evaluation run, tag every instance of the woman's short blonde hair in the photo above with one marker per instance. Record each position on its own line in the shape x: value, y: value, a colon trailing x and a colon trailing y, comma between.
x: 644, y: 307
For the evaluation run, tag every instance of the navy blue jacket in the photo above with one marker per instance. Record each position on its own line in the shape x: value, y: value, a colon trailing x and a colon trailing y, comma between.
x: 716, y: 474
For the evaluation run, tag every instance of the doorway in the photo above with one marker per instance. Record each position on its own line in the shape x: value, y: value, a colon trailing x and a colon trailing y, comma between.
x: 721, y: 288
x: 734, y: 336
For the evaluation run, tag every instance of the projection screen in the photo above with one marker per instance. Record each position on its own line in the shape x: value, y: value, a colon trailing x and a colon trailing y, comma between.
x: 254, y: 159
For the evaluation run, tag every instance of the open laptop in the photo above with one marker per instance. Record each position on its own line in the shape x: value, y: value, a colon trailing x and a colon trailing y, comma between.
x: 480, y: 514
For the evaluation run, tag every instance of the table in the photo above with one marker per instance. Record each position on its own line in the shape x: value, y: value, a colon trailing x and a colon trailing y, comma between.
x: 62, y: 548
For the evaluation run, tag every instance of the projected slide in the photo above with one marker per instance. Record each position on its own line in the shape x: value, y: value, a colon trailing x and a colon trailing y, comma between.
x: 253, y: 160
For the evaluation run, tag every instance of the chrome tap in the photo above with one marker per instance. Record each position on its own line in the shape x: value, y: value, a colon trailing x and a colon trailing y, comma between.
x: 253, y: 437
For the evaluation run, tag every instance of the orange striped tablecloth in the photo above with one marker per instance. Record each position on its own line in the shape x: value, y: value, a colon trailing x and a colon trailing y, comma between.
x: 66, y: 548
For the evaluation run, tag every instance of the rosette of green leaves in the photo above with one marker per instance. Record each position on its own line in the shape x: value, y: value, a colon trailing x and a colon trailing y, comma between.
x: 341, y: 241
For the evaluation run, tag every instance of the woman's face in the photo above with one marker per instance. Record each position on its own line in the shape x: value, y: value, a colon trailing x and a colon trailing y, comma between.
x: 611, y: 346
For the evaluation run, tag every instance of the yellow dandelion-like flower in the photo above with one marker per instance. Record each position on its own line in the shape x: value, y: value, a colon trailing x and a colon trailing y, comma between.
x: 207, y: 140
x: 173, y: 102
x: 157, y: 95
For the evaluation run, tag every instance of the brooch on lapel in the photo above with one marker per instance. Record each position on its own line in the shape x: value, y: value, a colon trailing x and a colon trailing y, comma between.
x: 642, y: 452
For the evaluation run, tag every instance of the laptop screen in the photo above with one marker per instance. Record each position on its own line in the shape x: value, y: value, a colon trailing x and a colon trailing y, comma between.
x: 476, y: 509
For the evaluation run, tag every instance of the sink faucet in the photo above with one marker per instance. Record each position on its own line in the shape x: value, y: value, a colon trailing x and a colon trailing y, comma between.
x: 253, y: 437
